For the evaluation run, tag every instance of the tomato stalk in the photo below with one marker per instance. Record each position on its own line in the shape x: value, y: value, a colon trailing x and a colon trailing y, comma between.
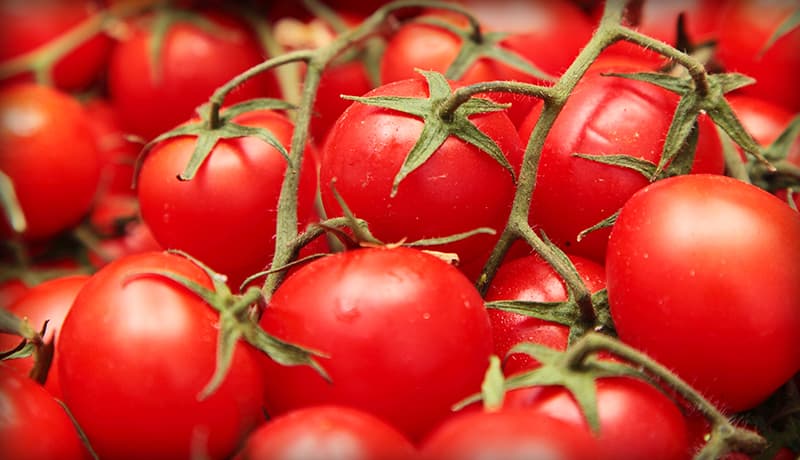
x: 725, y: 437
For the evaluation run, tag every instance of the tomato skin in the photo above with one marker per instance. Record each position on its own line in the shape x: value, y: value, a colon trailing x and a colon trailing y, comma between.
x: 136, y: 350
x: 459, y: 189
x: 47, y: 150
x: 49, y: 301
x: 530, y: 278
x: 604, y: 116
x: 33, y: 426
x: 239, y: 185
x: 509, y: 434
x: 747, y: 25
x: 343, y: 305
x: 324, y: 432
x: 637, y: 421
x: 29, y: 25
x: 702, y: 275
x: 148, y: 107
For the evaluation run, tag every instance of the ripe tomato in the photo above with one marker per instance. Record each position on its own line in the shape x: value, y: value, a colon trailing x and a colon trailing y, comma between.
x: 747, y: 25
x: 532, y: 279
x: 27, y: 26
x: 637, y: 421
x: 193, y: 63
x: 458, y: 189
x: 604, y: 116
x: 325, y: 432
x: 47, y: 150
x: 33, y: 426
x: 510, y: 434
x: 49, y: 301
x: 135, y: 352
x: 238, y: 186
x: 703, y: 276
x: 399, y: 345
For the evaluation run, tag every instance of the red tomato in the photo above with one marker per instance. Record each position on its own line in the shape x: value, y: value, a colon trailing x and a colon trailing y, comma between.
x: 747, y: 26
x: 325, y: 432
x: 637, y: 420
x: 604, y: 116
x: 399, y: 345
x: 135, y: 352
x: 149, y: 105
x: 459, y: 189
x: 233, y: 197
x: 33, y: 426
x: 28, y: 25
x: 47, y: 150
x: 49, y: 301
x: 509, y: 435
x: 703, y: 276
x: 531, y: 279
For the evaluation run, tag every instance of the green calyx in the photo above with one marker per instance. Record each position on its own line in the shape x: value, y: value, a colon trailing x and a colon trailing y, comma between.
x: 236, y: 323
x: 439, y: 126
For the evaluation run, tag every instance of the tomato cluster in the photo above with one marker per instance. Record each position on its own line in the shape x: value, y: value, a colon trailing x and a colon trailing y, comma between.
x: 430, y: 230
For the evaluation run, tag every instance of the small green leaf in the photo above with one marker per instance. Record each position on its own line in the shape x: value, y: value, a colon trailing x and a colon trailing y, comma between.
x: 229, y: 335
x: 233, y: 130
x: 217, y: 279
x: 409, y: 105
x: 514, y: 60
x: 23, y: 349
x: 605, y: 223
x: 725, y: 118
x: 678, y: 85
x: 683, y: 159
x: 683, y: 122
x: 81, y: 434
x: 11, y: 207
x: 361, y: 232
x: 11, y: 323
x: 492, y: 387
x: 564, y: 313
x: 789, y: 24
x: 469, y: 133
x: 207, y: 295
x: 205, y: 144
x: 644, y: 167
x: 251, y: 105
x: 451, y: 238
x: 433, y: 135
x: 730, y: 81
x: 285, y: 353
x: 780, y: 147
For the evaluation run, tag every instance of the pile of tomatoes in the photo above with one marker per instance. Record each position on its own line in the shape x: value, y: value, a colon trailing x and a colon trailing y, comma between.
x: 438, y: 230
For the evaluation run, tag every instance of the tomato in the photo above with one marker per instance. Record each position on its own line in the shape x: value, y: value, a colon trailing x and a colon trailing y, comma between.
x: 532, y: 279
x: 238, y: 186
x: 33, y: 426
x: 509, y: 435
x: 27, y: 26
x: 690, y: 284
x: 637, y: 420
x: 747, y: 26
x: 324, y: 432
x: 47, y: 150
x: 49, y: 301
x: 193, y: 63
x: 135, y: 352
x: 604, y: 116
x: 460, y: 188
x: 398, y: 344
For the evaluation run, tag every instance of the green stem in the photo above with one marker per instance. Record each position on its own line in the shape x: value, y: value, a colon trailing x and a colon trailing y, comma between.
x: 725, y: 437
x: 463, y: 94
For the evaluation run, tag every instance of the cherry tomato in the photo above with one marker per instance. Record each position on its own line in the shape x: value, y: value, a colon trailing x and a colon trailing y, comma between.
x: 47, y: 150
x: 33, y: 425
x: 702, y: 275
x: 398, y: 345
x: 325, y: 432
x: 135, y: 352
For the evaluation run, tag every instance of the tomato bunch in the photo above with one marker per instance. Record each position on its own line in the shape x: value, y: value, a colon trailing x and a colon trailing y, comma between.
x: 452, y: 229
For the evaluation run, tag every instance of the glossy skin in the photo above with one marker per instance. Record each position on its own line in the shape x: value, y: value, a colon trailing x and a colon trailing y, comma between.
x: 47, y: 150
x: 135, y: 353
x: 399, y: 345
x: 238, y: 187
x: 604, y: 116
x: 714, y: 239
x: 34, y: 24
x: 459, y: 189
x: 637, y: 421
x: 326, y: 432
x: 747, y: 25
x: 33, y: 425
x: 193, y: 64
x: 531, y: 279
x: 509, y: 434
x: 49, y: 301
